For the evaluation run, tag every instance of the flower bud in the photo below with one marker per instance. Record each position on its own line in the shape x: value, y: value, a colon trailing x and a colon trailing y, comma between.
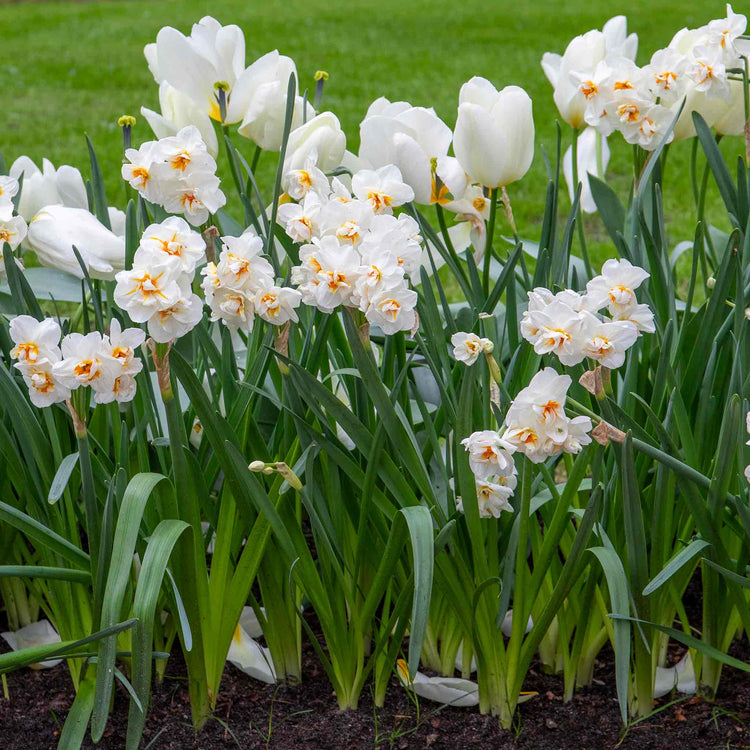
x: 257, y: 466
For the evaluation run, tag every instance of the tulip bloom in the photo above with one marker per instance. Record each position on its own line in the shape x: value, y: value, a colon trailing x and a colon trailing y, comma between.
x: 56, y: 229
x: 494, y: 136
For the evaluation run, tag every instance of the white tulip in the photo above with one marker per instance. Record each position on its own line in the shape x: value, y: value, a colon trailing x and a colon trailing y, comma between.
x: 39, y: 633
x: 320, y: 140
x: 732, y: 121
x: 48, y: 186
x: 177, y: 111
x: 8, y: 189
x: 409, y: 137
x: 494, y: 135
x: 212, y: 56
x: 260, y: 101
x: 56, y: 229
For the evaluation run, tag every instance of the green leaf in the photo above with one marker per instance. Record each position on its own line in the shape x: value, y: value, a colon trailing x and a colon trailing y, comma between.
x: 618, y: 593
x: 74, y: 730
x: 44, y: 536
x: 682, y: 558
x: 136, y: 496
x: 41, y: 571
x: 62, y: 477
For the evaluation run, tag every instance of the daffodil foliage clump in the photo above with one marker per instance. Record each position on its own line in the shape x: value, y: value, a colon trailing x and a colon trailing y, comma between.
x: 364, y: 392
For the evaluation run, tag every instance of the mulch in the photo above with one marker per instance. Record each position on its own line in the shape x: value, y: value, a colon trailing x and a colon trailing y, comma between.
x: 250, y: 714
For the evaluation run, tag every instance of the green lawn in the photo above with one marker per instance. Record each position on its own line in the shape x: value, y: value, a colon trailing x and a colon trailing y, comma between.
x: 74, y: 67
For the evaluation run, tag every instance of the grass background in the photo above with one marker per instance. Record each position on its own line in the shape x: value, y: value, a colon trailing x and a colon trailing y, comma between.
x: 74, y: 67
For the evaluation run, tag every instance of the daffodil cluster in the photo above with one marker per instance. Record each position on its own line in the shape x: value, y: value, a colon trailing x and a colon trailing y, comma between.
x: 53, y: 369
x: 536, y: 423
x: 597, y: 82
x: 491, y: 461
x: 157, y: 289
x: 241, y: 285
x: 177, y: 173
x: 356, y: 253
x: 569, y: 325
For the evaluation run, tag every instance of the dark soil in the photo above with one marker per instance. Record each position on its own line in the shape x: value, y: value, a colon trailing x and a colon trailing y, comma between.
x: 250, y: 714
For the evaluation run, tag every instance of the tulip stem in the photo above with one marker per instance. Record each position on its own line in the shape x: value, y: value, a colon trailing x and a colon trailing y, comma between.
x: 579, y: 213
x: 488, y: 243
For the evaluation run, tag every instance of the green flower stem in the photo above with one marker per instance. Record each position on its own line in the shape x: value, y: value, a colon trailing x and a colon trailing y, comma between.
x: 489, y: 241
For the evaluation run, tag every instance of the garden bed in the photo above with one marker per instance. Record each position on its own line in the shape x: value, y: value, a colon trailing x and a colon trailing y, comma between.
x: 250, y: 714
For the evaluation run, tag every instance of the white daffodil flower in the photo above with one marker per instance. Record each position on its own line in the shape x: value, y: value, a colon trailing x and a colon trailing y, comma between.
x: 277, y: 305
x: 543, y: 399
x: 13, y: 229
x: 234, y: 308
x: 400, y: 235
x: 666, y: 75
x: 47, y: 186
x: 123, y: 390
x: 555, y: 329
x: 138, y: 170
x: 383, y: 188
x: 173, y: 241
x: 348, y: 220
x: 409, y: 137
x: 380, y: 270
x: 175, y: 321
x: 320, y: 142
x: 298, y: 183
x: 492, y: 499
x: 616, y: 285
x: 708, y: 72
x: 8, y: 189
x: 56, y: 229
x: 536, y: 424
x: 45, y: 388
x: 489, y: 454
x: 640, y: 316
x: 607, y: 342
x: 468, y: 346
x: 300, y: 220
x: 39, y: 633
x: 86, y: 362
x: 121, y: 345
x: 327, y: 274
x: 241, y: 264
x: 494, y: 135
x: 34, y: 339
x: 393, y: 309
x: 145, y: 290
x: 178, y: 111
x: 589, y: 162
